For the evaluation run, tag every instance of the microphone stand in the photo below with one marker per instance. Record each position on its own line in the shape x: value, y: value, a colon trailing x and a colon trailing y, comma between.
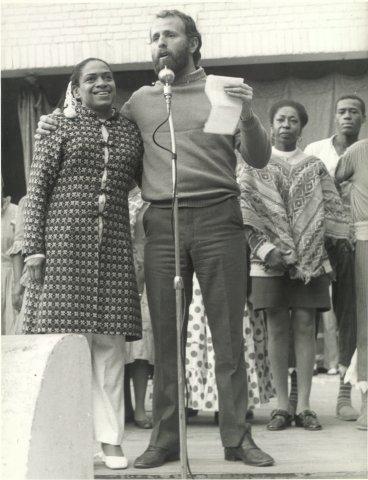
x: 178, y: 287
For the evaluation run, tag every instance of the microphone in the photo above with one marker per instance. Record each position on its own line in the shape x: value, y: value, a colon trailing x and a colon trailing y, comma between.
x: 167, y: 77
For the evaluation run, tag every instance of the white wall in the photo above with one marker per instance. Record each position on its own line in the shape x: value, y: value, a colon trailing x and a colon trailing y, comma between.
x: 59, y: 34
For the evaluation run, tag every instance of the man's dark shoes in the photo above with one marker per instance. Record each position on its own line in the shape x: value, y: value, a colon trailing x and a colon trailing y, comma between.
x: 155, y: 457
x: 248, y: 453
x: 280, y: 419
x: 308, y: 420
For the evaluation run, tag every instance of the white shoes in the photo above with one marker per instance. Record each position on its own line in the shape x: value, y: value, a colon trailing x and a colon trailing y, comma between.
x: 115, y: 463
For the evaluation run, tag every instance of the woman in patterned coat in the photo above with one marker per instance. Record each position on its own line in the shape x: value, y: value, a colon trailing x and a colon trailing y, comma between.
x: 77, y: 240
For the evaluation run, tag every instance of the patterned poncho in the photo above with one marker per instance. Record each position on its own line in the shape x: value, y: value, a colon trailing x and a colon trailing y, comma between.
x: 294, y: 205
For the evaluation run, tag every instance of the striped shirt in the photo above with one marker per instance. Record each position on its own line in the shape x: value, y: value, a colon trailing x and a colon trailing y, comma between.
x: 353, y: 167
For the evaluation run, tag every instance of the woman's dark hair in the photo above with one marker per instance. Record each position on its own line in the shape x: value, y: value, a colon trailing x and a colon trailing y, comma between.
x: 77, y: 70
x: 190, y: 29
x: 303, y: 116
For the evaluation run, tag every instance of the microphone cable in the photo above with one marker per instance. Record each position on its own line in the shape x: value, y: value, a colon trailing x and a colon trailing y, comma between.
x: 184, y: 300
x: 157, y: 129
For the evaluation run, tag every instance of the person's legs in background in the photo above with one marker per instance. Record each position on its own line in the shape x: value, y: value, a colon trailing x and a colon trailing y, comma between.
x: 257, y: 361
x: 331, y: 356
x: 139, y: 371
x: 361, y: 276
x: 344, y: 305
x: 139, y: 359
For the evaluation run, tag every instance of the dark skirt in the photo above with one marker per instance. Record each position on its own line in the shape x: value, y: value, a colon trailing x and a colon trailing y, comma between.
x: 282, y: 292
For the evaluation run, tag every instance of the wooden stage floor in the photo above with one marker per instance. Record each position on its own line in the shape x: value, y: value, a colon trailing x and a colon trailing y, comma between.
x: 339, y: 450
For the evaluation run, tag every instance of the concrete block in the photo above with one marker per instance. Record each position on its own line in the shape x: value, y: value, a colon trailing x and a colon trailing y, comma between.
x: 47, y: 426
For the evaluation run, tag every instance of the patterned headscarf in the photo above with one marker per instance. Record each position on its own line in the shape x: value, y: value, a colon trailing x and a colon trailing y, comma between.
x: 70, y: 103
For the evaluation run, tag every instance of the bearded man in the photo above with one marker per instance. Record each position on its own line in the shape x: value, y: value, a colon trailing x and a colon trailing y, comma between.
x: 211, y: 234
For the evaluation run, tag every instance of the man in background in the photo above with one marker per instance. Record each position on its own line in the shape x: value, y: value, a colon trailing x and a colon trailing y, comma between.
x: 349, y: 117
x: 353, y: 168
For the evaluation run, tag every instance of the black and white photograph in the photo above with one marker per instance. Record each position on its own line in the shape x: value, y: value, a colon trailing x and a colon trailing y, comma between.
x: 184, y: 239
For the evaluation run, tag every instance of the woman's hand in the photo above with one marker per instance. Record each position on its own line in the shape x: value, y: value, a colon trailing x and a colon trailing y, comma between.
x: 35, y: 268
x: 275, y: 258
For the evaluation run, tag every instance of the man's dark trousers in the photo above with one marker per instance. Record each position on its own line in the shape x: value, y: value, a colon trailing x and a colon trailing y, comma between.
x: 212, y: 243
x: 342, y: 259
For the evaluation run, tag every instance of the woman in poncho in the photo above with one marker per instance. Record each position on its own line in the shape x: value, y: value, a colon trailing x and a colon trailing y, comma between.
x: 289, y: 209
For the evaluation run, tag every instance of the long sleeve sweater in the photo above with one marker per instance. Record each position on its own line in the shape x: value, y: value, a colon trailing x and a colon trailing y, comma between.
x: 206, y: 162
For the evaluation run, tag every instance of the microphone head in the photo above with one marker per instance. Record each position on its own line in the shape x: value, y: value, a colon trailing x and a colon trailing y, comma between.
x: 166, y: 76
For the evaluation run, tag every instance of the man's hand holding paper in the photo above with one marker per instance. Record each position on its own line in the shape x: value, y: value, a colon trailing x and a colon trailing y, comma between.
x: 230, y: 99
x: 245, y: 93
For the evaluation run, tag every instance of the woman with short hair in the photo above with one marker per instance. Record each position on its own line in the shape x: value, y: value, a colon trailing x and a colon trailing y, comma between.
x: 290, y: 207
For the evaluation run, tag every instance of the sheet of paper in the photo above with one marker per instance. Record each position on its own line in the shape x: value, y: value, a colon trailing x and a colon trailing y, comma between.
x: 225, y: 110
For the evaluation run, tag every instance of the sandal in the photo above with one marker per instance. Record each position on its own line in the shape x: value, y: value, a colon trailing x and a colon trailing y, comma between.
x: 308, y: 420
x: 280, y: 419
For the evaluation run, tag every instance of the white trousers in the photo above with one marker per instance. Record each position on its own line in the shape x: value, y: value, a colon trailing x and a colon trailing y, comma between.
x: 108, y: 362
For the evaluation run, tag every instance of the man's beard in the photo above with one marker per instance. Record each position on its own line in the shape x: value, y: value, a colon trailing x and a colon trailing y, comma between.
x: 174, y: 61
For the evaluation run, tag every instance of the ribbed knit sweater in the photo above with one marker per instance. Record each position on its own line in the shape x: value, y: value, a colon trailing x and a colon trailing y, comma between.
x: 206, y: 162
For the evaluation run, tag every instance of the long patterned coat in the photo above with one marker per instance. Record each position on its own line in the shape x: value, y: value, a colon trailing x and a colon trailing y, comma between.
x: 77, y: 215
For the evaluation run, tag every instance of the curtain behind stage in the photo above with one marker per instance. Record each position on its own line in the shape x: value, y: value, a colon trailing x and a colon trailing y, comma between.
x: 317, y: 95
x: 32, y: 103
